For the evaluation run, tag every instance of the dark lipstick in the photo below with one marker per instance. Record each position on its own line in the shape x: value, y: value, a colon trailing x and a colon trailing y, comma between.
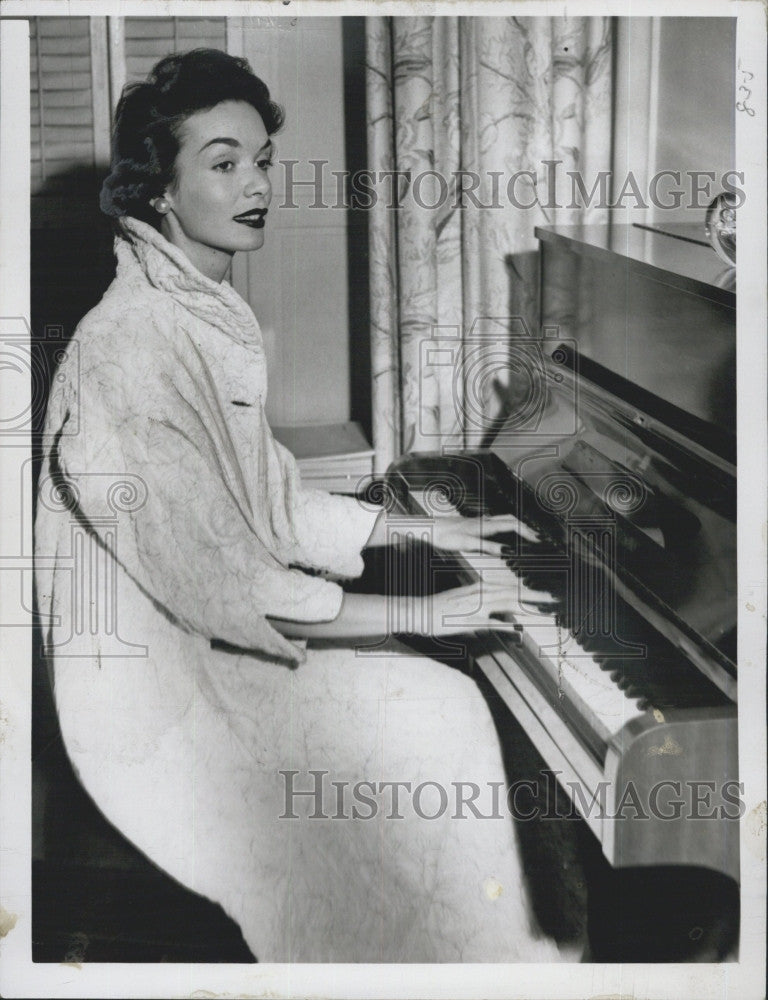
x: 255, y: 218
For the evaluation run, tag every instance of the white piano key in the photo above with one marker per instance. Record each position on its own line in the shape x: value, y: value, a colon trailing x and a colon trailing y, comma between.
x: 578, y: 676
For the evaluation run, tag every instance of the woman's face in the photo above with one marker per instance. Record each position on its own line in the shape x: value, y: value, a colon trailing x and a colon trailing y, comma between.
x: 218, y: 202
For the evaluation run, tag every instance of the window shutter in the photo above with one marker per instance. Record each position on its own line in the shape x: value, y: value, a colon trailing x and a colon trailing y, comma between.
x: 148, y: 39
x: 61, y: 99
x: 63, y: 61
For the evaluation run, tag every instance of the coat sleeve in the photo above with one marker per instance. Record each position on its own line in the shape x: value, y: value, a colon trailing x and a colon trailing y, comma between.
x: 184, y: 532
x: 328, y: 532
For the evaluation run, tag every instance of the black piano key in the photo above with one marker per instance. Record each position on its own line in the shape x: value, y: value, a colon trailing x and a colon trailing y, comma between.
x: 639, y: 660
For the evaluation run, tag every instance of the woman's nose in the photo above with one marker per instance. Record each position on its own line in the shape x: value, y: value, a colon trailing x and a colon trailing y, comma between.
x: 258, y: 183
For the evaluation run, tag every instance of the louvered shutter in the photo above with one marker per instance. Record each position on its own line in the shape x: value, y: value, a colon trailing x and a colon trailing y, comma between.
x: 65, y: 61
x: 148, y: 39
x: 61, y: 96
x: 78, y: 66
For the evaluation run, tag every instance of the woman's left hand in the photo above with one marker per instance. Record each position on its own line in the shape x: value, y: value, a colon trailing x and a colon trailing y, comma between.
x: 474, y: 534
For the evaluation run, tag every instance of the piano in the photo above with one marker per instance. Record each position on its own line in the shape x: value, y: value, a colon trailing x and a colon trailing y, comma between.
x: 619, y: 450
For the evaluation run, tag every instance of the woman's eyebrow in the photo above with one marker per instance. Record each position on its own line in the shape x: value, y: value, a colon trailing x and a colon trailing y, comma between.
x: 227, y: 141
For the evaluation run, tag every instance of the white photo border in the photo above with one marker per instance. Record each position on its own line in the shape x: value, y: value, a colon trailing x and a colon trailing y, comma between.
x: 19, y: 976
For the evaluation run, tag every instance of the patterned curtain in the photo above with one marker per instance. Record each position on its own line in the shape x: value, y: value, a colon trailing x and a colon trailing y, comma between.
x: 500, y: 108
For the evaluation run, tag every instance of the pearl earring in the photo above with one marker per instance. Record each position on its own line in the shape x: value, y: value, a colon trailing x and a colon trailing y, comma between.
x: 162, y: 206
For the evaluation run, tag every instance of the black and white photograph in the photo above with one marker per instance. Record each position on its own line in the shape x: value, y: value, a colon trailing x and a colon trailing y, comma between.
x: 383, y: 537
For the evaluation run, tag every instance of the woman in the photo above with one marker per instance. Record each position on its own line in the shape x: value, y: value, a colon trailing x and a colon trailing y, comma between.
x: 175, y: 703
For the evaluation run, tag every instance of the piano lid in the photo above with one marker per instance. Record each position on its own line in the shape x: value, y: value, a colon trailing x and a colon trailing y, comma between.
x: 677, y: 253
x: 651, y: 314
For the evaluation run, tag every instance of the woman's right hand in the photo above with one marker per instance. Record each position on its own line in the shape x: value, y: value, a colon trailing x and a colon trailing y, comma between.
x: 469, y: 608
x: 453, y: 612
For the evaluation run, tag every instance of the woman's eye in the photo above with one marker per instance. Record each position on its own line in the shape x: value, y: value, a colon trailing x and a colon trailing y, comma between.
x: 264, y: 164
x: 225, y: 166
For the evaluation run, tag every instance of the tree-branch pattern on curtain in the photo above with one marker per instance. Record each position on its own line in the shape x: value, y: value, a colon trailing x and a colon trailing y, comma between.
x: 496, y: 98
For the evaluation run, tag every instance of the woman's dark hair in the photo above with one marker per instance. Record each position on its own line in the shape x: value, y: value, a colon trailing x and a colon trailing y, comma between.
x: 149, y: 116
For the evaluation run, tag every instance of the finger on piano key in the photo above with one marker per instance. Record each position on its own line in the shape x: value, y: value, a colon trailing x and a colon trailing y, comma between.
x: 508, y: 618
x: 499, y: 523
x: 524, y: 547
x: 577, y: 674
x: 521, y: 597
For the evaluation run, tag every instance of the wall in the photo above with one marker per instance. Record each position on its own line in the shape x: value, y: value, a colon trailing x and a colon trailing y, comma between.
x: 297, y: 284
x: 696, y: 129
x: 675, y: 97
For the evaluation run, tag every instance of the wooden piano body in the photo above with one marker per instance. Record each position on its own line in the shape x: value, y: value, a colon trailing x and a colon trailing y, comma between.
x: 620, y: 450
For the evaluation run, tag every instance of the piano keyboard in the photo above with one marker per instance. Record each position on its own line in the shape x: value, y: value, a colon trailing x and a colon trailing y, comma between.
x: 574, y: 674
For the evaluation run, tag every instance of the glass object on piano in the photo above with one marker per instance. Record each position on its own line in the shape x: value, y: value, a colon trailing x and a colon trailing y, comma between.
x: 720, y: 223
